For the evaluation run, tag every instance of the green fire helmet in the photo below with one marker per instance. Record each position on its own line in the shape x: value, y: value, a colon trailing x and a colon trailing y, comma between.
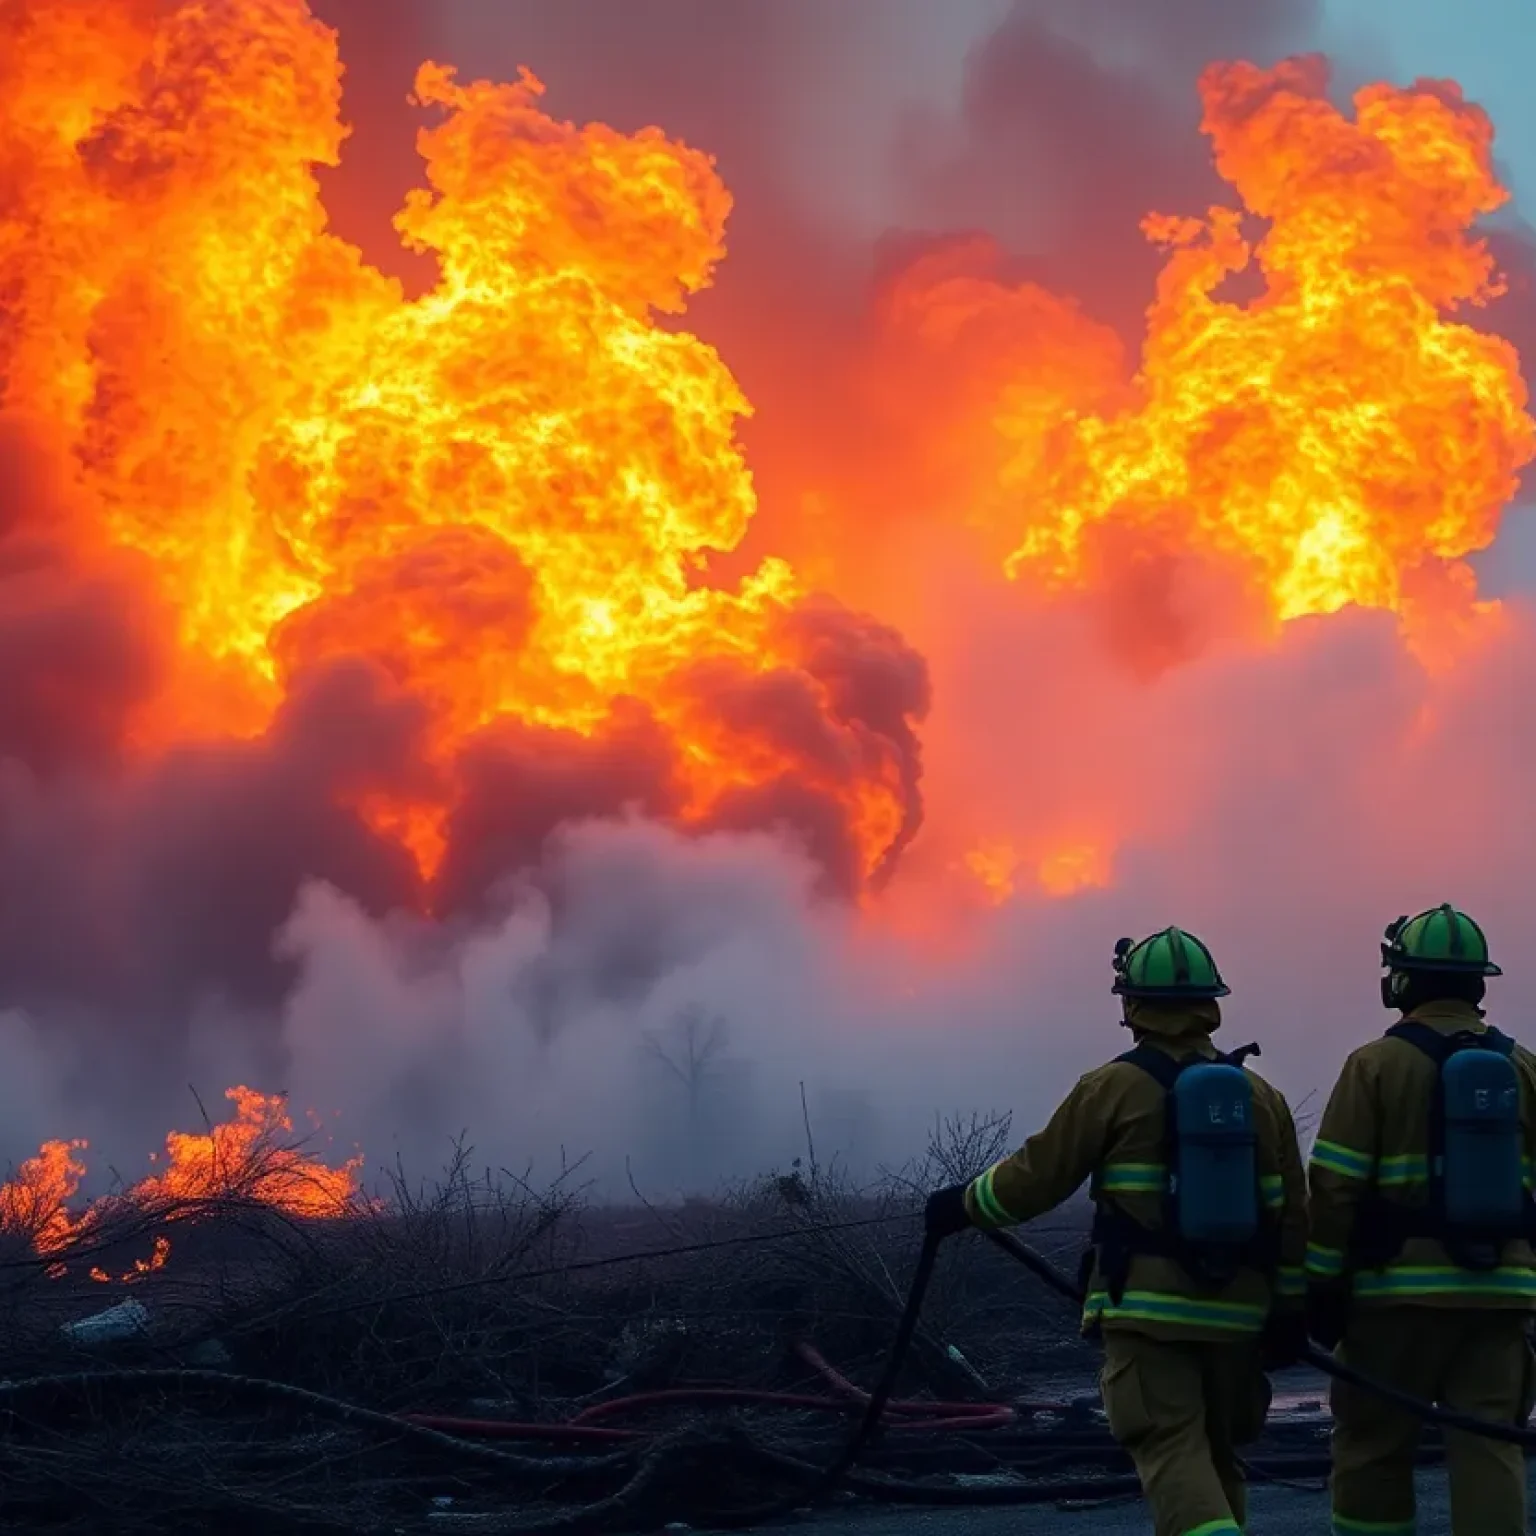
x: 1441, y: 939
x: 1171, y: 964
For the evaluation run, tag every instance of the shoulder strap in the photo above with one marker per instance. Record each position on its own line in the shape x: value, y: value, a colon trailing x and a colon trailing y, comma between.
x: 1496, y: 1040
x: 1438, y: 1047
x: 1158, y: 1065
x: 1433, y: 1044
x: 1166, y: 1070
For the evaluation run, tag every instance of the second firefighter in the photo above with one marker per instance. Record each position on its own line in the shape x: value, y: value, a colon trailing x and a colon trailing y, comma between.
x: 1195, y: 1282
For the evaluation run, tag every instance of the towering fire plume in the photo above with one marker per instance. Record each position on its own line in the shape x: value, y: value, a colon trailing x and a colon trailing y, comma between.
x: 504, y: 493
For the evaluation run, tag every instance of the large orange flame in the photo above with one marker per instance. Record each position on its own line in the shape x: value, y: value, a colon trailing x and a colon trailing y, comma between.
x: 504, y: 491
x: 1332, y: 434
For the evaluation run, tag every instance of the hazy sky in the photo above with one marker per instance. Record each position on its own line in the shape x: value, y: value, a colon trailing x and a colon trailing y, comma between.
x: 1488, y: 45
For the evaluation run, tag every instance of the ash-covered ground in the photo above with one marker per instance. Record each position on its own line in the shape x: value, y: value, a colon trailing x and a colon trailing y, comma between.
x: 484, y: 1356
x: 361, y: 1373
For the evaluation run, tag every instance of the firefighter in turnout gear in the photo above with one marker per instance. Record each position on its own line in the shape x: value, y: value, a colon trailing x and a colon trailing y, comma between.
x: 1420, y: 1269
x: 1194, y: 1279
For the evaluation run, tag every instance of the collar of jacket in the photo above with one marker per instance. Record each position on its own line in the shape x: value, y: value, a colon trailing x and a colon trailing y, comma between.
x: 1184, y: 1021
x: 1448, y: 1017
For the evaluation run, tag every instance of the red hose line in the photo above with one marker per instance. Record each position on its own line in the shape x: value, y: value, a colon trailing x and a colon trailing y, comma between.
x: 998, y: 1418
x: 916, y: 1416
x: 907, y: 1414
x: 813, y: 1357
x: 741, y: 1397
x: 747, y: 1397
x: 506, y: 1429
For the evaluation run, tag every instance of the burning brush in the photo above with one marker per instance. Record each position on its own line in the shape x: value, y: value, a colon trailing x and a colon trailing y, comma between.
x: 247, y: 1161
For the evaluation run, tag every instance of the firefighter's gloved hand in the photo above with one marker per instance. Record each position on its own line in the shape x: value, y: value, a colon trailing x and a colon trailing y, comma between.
x: 1327, y: 1314
x: 945, y: 1214
x: 1284, y: 1340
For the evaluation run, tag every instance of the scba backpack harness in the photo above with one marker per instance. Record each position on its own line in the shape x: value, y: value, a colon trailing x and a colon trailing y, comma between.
x: 1215, y: 1218
x: 1475, y: 1163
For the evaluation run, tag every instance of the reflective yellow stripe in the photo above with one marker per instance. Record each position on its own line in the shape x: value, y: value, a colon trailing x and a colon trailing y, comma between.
x: 1408, y: 1168
x: 1344, y: 1160
x: 1215, y: 1528
x: 1344, y: 1526
x: 1324, y: 1261
x: 1133, y: 1178
x: 1445, y: 1280
x: 1273, y: 1185
x: 991, y: 1209
x: 1158, y: 1307
x: 1290, y: 1281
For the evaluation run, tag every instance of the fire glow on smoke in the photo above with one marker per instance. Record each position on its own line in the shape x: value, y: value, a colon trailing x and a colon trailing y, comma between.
x: 507, y: 492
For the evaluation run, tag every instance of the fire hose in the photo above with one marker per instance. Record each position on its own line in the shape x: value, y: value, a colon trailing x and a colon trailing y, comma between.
x: 829, y: 1479
x: 817, y: 1483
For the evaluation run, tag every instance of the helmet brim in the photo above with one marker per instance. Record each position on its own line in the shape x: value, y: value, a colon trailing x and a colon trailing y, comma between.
x: 1171, y: 994
x: 1395, y: 960
x: 1418, y: 965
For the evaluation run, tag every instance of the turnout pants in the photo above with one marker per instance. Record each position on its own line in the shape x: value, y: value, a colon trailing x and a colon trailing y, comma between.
x: 1474, y: 1360
x: 1181, y: 1409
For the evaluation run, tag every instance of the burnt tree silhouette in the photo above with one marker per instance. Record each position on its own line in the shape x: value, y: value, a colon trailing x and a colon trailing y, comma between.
x: 693, y: 1054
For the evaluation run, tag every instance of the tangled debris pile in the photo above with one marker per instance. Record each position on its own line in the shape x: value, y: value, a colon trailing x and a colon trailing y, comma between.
x: 483, y: 1356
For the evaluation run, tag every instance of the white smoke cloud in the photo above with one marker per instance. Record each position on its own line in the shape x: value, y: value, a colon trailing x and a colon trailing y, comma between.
x: 547, y: 1033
